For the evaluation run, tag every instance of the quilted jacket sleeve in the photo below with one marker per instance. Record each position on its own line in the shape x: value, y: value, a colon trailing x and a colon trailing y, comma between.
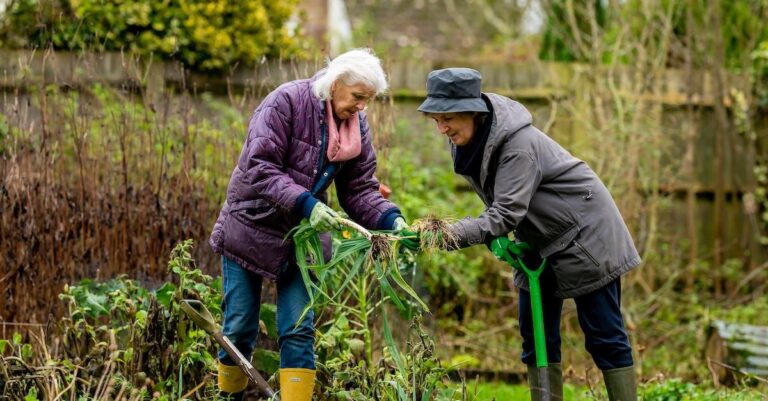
x: 264, y: 155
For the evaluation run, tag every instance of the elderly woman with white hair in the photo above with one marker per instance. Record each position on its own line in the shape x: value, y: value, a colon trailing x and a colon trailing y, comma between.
x: 304, y: 135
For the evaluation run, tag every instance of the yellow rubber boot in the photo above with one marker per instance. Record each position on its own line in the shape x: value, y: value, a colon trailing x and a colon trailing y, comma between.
x: 296, y: 384
x: 232, y: 380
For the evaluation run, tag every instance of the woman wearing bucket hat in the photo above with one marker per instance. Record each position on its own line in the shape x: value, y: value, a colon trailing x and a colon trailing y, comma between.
x: 304, y: 135
x: 554, y: 202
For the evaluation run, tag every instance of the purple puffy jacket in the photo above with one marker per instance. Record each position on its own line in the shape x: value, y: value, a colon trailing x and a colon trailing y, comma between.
x: 279, y: 162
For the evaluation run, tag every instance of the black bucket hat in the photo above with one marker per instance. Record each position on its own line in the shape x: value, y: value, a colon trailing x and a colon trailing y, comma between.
x: 453, y: 90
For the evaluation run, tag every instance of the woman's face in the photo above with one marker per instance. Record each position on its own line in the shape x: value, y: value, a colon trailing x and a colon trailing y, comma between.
x: 349, y: 99
x: 458, y: 127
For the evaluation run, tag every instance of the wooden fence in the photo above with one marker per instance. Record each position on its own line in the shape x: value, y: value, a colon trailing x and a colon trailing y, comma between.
x: 538, y: 85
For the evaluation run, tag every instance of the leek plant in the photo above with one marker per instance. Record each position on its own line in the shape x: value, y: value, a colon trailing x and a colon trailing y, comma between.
x: 360, y: 282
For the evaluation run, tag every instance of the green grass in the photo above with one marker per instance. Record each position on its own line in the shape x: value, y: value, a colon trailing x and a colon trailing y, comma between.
x: 489, y: 391
x: 501, y: 391
x: 670, y: 390
x: 515, y: 392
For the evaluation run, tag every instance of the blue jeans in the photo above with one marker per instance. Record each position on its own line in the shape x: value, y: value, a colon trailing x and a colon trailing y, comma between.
x: 242, y: 300
x: 599, y: 317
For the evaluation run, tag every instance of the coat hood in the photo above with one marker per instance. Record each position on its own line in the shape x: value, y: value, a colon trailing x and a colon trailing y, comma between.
x: 509, y: 117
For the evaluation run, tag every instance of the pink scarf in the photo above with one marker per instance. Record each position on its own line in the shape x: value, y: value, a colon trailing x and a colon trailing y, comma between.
x: 344, y: 140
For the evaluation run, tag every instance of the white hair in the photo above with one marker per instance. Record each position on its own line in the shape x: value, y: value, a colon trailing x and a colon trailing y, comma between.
x: 358, y: 66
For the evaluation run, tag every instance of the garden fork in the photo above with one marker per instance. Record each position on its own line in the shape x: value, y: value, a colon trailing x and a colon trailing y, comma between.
x: 203, y: 318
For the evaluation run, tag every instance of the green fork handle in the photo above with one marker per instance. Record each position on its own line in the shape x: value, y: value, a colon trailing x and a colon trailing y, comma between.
x: 537, y: 314
x: 537, y: 311
x: 203, y: 318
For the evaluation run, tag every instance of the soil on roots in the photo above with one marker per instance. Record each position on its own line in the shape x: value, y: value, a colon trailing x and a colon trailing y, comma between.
x: 435, y: 233
x: 381, y: 247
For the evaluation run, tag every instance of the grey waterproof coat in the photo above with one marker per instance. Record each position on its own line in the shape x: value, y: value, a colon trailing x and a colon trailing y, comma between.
x: 281, y: 159
x: 551, y: 200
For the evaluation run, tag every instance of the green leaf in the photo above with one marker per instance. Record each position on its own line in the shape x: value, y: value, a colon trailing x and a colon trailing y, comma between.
x: 26, y: 351
x: 301, y: 261
x: 266, y: 361
x: 141, y: 318
x: 395, y: 275
x: 31, y: 395
x: 392, y: 346
x: 356, y: 266
x: 128, y: 355
x: 387, y: 289
x: 95, y: 304
x: 164, y: 294
x: 268, y: 315
x: 194, y: 355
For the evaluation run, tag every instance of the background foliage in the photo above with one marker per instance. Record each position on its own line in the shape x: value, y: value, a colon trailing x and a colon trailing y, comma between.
x: 207, y: 35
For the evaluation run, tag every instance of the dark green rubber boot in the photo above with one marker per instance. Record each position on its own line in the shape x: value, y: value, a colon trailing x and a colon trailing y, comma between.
x: 555, y: 381
x: 621, y: 384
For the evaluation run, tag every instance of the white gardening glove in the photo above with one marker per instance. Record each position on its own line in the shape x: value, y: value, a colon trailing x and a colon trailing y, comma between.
x: 323, y: 218
x: 399, y: 225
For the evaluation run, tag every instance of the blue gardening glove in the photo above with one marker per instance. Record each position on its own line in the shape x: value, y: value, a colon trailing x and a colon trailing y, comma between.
x: 399, y: 225
x: 323, y: 218
x: 413, y: 240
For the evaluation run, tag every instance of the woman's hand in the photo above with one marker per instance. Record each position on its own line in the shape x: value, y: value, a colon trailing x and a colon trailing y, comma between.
x: 399, y: 225
x: 410, y: 239
x: 508, y: 251
x: 323, y: 218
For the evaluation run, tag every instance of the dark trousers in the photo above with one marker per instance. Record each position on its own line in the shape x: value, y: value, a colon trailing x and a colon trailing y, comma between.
x: 599, y: 317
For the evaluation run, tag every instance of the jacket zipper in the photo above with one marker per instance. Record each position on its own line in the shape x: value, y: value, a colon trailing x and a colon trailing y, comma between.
x: 323, y: 144
x: 589, y: 255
